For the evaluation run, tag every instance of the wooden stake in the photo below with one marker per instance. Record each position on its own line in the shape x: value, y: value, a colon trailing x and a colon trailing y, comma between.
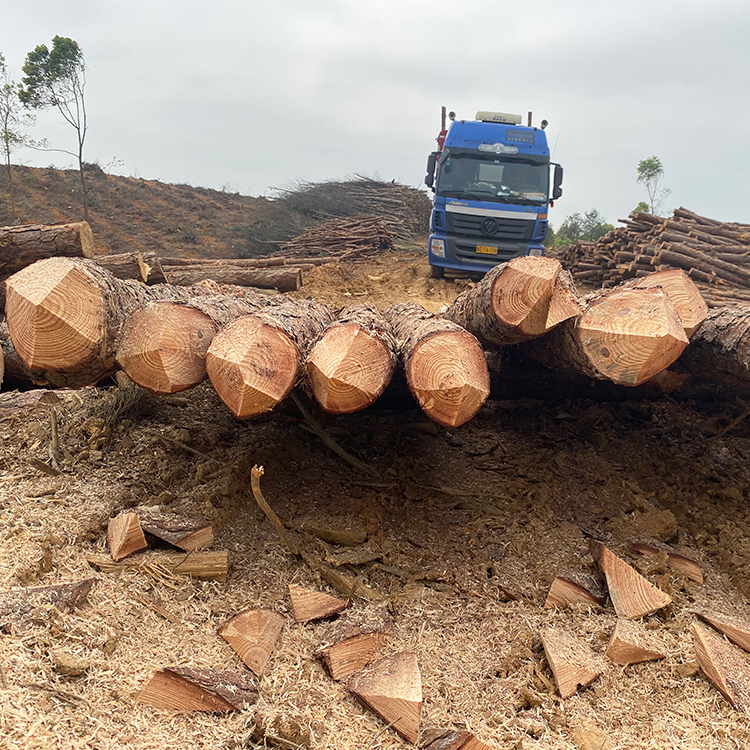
x: 253, y: 634
x: 676, y: 559
x: 175, y: 529
x: 734, y: 628
x: 574, y: 587
x: 125, y: 536
x: 630, y: 643
x: 183, y: 689
x: 572, y: 663
x: 392, y: 688
x: 310, y: 605
x: 724, y: 665
x: 632, y: 595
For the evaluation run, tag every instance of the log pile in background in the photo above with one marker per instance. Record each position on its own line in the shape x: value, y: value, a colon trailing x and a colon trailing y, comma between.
x: 715, y: 254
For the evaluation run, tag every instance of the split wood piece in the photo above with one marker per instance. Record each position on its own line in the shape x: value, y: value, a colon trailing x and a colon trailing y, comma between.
x: 353, y: 361
x: 143, y: 267
x: 18, y: 606
x: 453, y: 739
x: 573, y: 664
x: 626, y: 336
x: 253, y: 634
x: 631, y: 643
x: 632, y: 595
x: 725, y: 665
x: 285, y: 279
x: 180, y: 531
x: 352, y: 641
x: 575, y: 587
x: 309, y: 605
x: 209, y: 565
x: 444, y: 364
x: 184, y: 689
x: 255, y: 361
x: 513, y: 302
x: 125, y: 536
x: 20, y: 246
x: 392, y: 688
x: 734, y: 628
x: 676, y: 559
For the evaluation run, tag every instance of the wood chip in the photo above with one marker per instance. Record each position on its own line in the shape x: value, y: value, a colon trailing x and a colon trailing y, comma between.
x: 631, y: 643
x: 573, y: 664
x: 253, y: 634
x: 734, y: 628
x: 125, y: 536
x: 309, y: 605
x: 725, y: 665
x: 575, y: 587
x: 676, y: 559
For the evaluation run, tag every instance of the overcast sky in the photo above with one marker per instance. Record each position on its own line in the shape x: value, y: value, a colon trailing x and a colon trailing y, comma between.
x: 247, y: 95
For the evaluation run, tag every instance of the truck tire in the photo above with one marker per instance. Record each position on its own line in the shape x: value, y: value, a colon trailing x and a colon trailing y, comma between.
x: 437, y: 272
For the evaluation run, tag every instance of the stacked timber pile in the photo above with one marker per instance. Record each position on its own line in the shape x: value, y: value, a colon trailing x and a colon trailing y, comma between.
x: 715, y: 254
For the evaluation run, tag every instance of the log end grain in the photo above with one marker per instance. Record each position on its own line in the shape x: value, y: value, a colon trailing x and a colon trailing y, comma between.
x: 685, y: 296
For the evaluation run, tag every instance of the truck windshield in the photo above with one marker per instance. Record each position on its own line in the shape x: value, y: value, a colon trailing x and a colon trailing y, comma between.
x: 493, y: 178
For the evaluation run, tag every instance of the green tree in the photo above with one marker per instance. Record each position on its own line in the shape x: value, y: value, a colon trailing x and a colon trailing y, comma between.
x: 590, y: 227
x: 56, y: 79
x: 641, y: 208
x: 651, y: 175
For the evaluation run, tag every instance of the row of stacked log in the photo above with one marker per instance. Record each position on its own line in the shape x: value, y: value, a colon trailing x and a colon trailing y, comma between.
x: 715, y: 254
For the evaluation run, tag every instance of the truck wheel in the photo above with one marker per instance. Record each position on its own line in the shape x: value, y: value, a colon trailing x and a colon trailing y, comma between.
x: 437, y: 272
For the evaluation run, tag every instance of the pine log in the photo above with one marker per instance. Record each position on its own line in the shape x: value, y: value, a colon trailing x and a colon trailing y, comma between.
x: 285, y: 278
x: 20, y: 605
x: 204, y: 565
x: 632, y: 595
x: 308, y: 605
x: 676, y: 559
x: 734, y: 628
x: 271, y: 261
x: 631, y: 643
x: 125, y: 536
x: 574, y: 587
x: 626, y: 336
x: 725, y: 665
x: 512, y: 301
x: 17, y: 374
x: 253, y: 634
x: 353, y: 361
x: 444, y: 364
x: 143, y: 267
x: 392, y: 688
x: 188, y: 534
x: 23, y: 245
x: 254, y: 361
x: 573, y: 664
x: 185, y: 689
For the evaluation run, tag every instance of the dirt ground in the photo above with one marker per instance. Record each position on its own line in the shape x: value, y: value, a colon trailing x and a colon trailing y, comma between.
x: 465, y: 533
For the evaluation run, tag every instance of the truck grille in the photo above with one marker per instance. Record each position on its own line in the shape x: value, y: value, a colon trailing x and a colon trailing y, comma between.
x: 510, y: 230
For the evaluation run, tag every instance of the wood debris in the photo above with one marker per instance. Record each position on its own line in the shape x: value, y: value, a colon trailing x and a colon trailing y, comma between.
x: 453, y: 739
x: 573, y: 664
x: 576, y: 587
x: 630, y: 643
x: 309, y: 605
x: 734, y: 628
x: 676, y: 559
x: 20, y: 605
x: 253, y: 634
x: 180, y: 531
x: 725, y: 665
x: 206, y: 565
x: 125, y: 536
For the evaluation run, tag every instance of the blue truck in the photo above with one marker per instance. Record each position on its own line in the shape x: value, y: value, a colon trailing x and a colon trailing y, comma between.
x: 491, y: 180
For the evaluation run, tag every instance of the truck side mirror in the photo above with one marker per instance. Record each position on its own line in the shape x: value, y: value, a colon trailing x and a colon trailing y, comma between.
x: 557, y: 182
x: 429, y: 178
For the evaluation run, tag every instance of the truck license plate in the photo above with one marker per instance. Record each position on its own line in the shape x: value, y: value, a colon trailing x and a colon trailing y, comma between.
x: 487, y: 249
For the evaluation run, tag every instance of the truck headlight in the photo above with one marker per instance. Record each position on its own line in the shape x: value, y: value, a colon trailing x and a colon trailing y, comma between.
x: 437, y: 248
x: 536, y: 251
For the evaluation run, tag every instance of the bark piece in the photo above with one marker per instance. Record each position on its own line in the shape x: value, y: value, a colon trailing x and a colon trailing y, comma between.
x: 676, y: 559
x: 125, y: 536
x: 734, y: 628
x: 353, y: 361
x: 310, y: 605
x: 180, y: 531
x: 16, y: 373
x: 574, y: 587
x: 184, y: 689
x: 17, y: 606
x: 513, y: 301
x: 632, y: 595
x: 725, y: 665
x: 392, y: 688
x: 444, y: 364
x: 211, y: 566
x: 285, y: 279
x: 15, y: 401
x: 253, y: 634
x: 573, y: 664
x: 630, y: 643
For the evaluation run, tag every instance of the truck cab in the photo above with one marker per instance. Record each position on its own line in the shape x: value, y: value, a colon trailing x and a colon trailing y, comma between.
x: 491, y: 180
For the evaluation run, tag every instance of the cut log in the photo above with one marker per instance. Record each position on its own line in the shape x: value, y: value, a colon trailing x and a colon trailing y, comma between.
x: 180, y: 531
x: 444, y: 364
x: 352, y: 642
x: 253, y: 634
x: 125, y: 536
x: 632, y: 595
x: 575, y: 587
x: 676, y: 559
x: 210, y: 566
x: 573, y: 664
x: 285, y: 278
x: 353, y: 361
x: 255, y: 361
x: 392, y: 688
x: 631, y: 643
x: 23, y: 245
x: 513, y: 301
x: 308, y: 605
x: 734, y: 628
x: 143, y: 267
x: 184, y: 689
x: 626, y: 336
x: 725, y: 665
x: 18, y: 606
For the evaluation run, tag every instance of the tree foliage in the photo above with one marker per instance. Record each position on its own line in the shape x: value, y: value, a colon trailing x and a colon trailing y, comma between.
x: 590, y: 226
x: 650, y: 174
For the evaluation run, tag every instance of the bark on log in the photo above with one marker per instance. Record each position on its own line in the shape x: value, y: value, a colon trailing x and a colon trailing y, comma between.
x: 285, y: 278
x: 626, y: 336
x: 143, y: 267
x: 255, y: 361
x: 353, y: 361
x: 23, y: 245
x: 512, y: 302
x: 444, y: 364
x: 17, y: 374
